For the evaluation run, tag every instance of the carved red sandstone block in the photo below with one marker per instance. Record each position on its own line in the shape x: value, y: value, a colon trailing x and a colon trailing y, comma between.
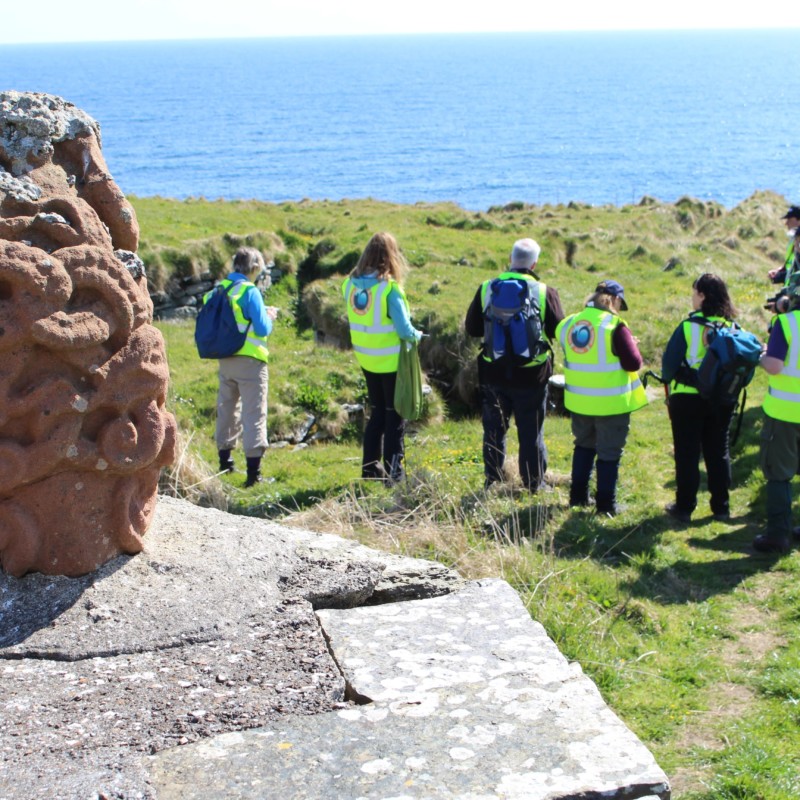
x: 83, y: 372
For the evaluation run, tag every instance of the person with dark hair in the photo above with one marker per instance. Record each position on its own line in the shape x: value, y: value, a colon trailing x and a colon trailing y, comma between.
x: 698, y: 425
x: 244, y: 377
x: 784, y: 274
x: 377, y: 311
x: 601, y: 390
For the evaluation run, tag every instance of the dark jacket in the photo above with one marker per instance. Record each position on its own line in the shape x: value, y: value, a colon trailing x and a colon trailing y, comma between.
x: 493, y: 373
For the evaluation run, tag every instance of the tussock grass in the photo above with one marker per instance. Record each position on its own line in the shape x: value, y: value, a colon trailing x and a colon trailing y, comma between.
x: 192, y: 478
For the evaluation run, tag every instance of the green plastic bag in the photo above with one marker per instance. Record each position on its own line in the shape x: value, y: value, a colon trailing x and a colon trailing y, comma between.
x: 408, y: 389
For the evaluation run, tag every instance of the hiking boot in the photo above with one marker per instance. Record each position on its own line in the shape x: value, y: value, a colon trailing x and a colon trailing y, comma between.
x: 253, y: 472
x: 579, y: 496
x: 764, y: 543
x: 252, y: 479
x: 721, y: 516
x: 606, y: 504
x: 672, y: 510
x: 225, y: 461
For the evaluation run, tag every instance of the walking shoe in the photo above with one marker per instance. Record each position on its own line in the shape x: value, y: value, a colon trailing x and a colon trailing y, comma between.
x: 252, y: 479
x: 721, y: 516
x: 227, y: 466
x: 763, y: 543
x: 672, y: 510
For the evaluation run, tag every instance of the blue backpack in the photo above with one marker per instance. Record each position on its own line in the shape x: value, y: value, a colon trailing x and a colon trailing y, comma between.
x: 216, y: 332
x: 729, y: 363
x: 512, y: 329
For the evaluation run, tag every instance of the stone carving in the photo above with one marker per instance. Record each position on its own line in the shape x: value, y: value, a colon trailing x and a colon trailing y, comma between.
x: 83, y: 373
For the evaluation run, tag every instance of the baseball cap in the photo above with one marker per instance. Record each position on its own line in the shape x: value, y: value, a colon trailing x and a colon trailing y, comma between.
x: 614, y: 289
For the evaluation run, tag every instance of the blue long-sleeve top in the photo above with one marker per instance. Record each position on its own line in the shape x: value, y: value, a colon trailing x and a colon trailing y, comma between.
x: 674, y: 355
x: 397, y: 308
x: 253, y: 307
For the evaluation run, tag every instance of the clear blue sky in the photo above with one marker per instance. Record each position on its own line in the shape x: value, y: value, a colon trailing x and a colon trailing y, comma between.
x: 107, y: 20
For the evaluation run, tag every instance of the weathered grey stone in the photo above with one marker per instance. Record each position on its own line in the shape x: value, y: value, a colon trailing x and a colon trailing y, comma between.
x: 207, y: 631
x: 31, y: 123
x: 208, y: 639
x: 401, y: 578
x: 21, y: 189
x: 463, y: 696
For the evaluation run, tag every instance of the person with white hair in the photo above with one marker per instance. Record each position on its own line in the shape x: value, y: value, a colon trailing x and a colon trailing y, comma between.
x: 516, y: 314
x: 244, y: 377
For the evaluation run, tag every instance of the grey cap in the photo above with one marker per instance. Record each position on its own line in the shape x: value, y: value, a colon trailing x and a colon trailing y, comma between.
x: 525, y: 254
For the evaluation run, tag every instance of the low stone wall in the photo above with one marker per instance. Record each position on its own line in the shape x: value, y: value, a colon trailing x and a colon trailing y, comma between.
x: 184, y: 296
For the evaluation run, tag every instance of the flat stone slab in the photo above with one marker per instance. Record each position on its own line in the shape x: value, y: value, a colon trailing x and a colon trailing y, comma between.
x: 210, y: 630
x: 458, y: 696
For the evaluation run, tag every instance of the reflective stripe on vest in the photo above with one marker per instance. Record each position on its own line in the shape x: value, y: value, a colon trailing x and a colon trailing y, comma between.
x: 372, y: 332
x: 595, y: 382
x: 695, y: 335
x: 788, y: 263
x: 542, y: 291
x: 782, y: 400
x: 254, y: 346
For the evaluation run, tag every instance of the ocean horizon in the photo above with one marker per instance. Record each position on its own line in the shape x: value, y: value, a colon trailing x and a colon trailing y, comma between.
x: 475, y: 119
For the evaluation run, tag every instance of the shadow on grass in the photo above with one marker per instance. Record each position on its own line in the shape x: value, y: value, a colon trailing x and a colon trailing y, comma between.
x: 277, y: 504
x: 587, y: 535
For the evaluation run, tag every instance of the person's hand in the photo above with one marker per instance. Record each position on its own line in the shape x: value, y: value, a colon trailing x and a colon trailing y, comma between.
x: 272, y: 313
x: 773, y: 272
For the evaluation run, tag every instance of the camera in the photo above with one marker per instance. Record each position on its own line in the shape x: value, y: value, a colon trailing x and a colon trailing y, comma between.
x: 779, y: 302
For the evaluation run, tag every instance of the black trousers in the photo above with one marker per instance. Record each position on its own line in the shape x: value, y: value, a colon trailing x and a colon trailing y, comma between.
x: 698, y: 428
x: 384, y: 446
x: 528, y: 406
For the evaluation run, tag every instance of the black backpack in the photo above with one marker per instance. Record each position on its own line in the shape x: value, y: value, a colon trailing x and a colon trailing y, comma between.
x: 216, y: 332
x: 512, y: 329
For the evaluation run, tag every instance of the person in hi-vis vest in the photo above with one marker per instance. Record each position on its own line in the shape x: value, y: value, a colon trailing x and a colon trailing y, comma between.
x: 510, y: 388
x: 780, y: 435
x: 379, y: 318
x: 783, y: 275
x: 244, y: 377
x: 601, y: 389
x: 698, y: 425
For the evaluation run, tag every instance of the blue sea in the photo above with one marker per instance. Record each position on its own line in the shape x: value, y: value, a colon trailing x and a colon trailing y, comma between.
x: 480, y: 120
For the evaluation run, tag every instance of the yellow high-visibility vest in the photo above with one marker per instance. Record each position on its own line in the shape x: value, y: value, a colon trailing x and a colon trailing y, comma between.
x: 696, y: 336
x: 782, y: 400
x: 372, y: 333
x: 541, y: 289
x: 595, y: 382
x: 254, y: 346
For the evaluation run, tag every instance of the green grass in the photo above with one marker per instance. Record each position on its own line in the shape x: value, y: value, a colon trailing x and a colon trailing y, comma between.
x: 691, y: 638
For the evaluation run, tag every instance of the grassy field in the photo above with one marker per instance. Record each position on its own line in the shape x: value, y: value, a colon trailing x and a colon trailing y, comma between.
x: 690, y: 636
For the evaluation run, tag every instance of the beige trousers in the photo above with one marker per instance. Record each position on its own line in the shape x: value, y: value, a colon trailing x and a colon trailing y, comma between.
x: 242, y: 405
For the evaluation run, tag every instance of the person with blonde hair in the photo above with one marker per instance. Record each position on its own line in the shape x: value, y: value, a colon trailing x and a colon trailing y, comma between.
x: 601, y: 390
x: 379, y: 318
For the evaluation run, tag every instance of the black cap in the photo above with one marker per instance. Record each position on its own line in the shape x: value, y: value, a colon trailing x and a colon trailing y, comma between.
x: 794, y: 211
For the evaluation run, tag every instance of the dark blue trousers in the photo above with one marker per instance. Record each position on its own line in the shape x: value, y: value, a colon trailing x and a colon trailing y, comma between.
x: 527, y: 405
